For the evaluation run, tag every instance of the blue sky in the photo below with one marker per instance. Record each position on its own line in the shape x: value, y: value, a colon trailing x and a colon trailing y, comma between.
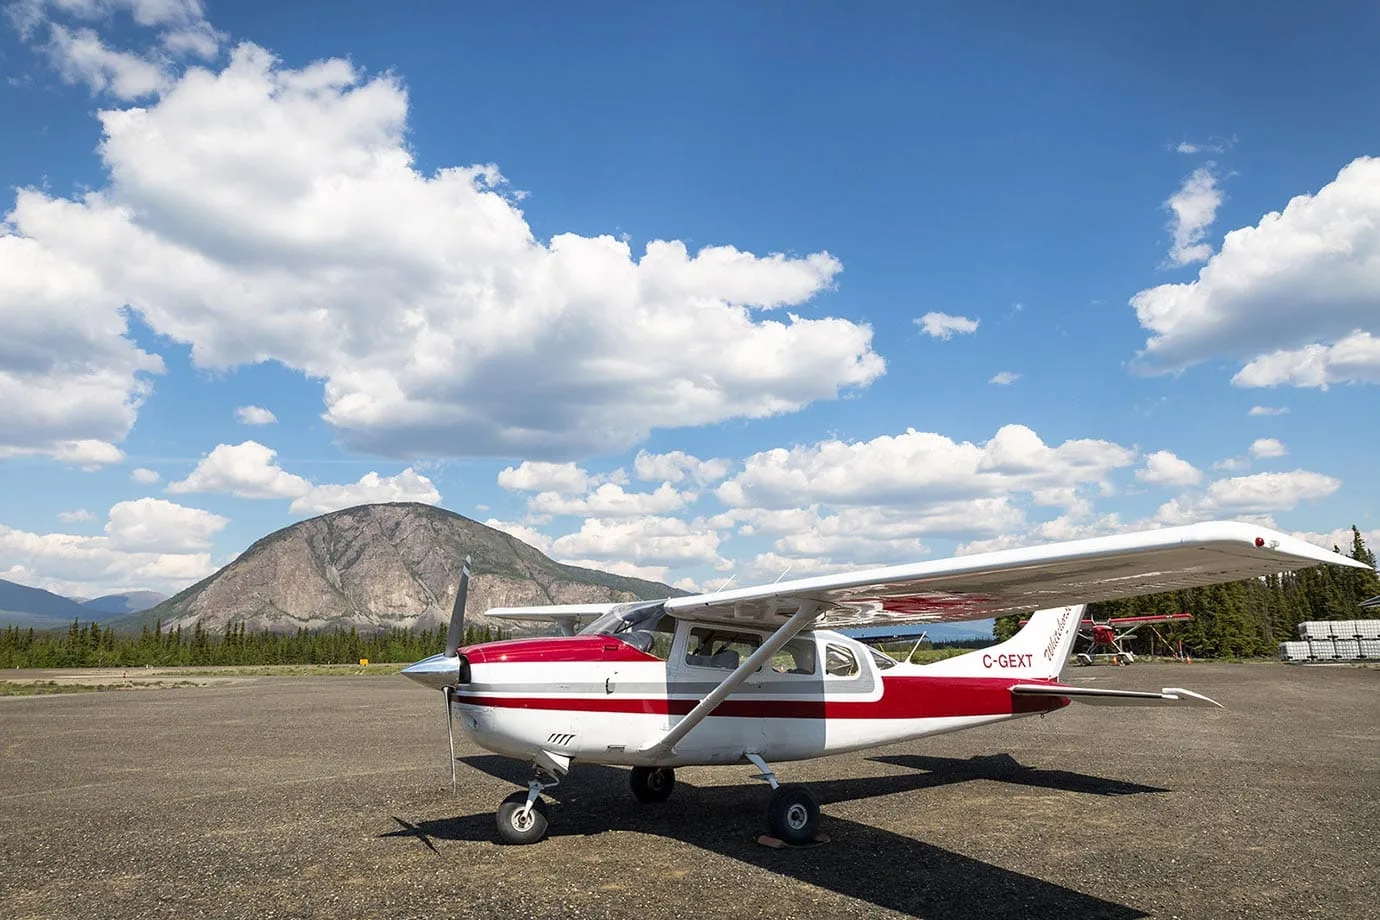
x: 440, y: 243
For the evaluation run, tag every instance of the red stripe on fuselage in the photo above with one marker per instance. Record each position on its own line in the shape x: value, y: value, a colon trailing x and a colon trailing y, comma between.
x: 902, y: 698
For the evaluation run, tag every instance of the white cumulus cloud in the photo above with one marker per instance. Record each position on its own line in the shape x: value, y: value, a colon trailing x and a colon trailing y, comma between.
x: 251, y: 470
x: 1265, y: 448
x: 1165, y: 468
x: 80, y: 514
x: 1194, y: 207
x: 159, y: 526
x: 1004, y: 378
x: 676, y: 465
x: 254, y: 415
x: 1352, y: 359
x: 258, y: 212
x: 246, y: 470
x: 659, y: 541
x: 144, y: 475
x: 1261, y: 493
x: 1296, y: 297
x: 944, y: 326
x: 918, y: 466
x: 537, y: 476
x: 611, y: 500
x: 407, y: 486
x: 1269, y: 410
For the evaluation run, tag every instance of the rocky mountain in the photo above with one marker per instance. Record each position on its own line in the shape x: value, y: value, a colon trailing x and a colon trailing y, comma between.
x: 124, y: 602
x: 385, y: 565
x: 21, y: 605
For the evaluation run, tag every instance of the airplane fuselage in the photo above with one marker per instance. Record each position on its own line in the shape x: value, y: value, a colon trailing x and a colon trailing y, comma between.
x: 599, y: 699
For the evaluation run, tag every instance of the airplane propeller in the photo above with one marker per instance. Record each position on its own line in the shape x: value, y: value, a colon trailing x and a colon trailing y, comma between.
x: 456, y: 633
x: 454, y: 636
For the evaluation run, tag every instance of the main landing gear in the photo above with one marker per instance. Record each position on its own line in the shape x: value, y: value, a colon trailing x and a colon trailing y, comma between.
x: 652, y: 784
x: 792, y: 811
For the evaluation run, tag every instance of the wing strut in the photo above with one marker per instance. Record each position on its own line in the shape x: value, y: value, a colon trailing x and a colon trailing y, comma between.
x: 787, y: 631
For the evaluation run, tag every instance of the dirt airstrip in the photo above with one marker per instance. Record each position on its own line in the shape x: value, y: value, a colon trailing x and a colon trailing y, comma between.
x: 274, y: 796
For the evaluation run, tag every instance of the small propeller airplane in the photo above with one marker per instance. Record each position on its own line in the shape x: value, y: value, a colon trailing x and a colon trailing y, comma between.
x: 759, y: 675
x: 1112, y: 632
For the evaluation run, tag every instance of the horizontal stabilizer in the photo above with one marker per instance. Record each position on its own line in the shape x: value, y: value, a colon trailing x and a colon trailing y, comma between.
x: 1101, y: 697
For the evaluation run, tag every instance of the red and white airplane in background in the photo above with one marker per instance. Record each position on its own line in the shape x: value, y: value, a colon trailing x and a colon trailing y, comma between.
x: 757, y: 675
x: 1112, y: 632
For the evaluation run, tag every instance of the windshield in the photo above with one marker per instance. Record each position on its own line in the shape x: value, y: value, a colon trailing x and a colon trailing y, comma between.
x: 624, y: 618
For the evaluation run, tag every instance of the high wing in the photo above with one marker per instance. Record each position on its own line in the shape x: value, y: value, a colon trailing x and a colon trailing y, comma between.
x: 1020, y: 580
x: 569, y: 617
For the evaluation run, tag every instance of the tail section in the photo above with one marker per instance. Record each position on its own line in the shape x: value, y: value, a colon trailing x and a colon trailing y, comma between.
x: 1037, y: 652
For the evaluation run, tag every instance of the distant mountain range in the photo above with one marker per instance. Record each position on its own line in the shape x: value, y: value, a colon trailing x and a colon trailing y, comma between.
x: 21, y: 605
x: 378, y: 566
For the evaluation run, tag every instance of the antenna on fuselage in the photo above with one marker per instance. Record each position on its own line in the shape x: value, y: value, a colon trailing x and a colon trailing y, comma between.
x: 726, y: 583
x: 783, y: 574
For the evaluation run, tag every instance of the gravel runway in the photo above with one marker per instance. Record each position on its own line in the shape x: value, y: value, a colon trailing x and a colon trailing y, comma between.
x: 329, y: 797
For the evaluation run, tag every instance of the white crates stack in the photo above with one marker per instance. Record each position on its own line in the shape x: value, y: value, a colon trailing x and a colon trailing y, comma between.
x: 1321, y: 649
x: 1294, y: 651
x: 1315, y: 629
x: 1336, y: 640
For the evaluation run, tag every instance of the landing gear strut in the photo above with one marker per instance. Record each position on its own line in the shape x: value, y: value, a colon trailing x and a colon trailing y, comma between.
x: 652, y: 784
x: 521, y: 817
x: 792, y: 811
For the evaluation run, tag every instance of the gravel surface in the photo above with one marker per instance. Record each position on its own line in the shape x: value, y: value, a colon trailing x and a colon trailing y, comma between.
x: 329, y: 797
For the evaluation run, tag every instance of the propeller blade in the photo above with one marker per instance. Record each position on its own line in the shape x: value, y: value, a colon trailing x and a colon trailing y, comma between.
x: 457, y: 616
x: 450, y: 736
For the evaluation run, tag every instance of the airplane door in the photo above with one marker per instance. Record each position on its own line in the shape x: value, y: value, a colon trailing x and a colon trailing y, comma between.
x: 703, y: 656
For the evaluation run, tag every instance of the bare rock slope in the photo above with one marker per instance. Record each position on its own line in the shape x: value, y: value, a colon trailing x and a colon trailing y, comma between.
x: 387, y: 565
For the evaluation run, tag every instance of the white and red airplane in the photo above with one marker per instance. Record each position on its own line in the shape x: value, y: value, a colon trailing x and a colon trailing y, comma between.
x: 756, y: 675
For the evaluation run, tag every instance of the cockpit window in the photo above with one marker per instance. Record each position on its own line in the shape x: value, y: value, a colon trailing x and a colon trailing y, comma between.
x: 711, y: 647
x: 646, y: 627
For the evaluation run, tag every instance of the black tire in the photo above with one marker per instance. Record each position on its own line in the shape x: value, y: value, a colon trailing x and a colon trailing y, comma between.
x: 652, y: 784
x: 515, y: 827
x: 793, y: 814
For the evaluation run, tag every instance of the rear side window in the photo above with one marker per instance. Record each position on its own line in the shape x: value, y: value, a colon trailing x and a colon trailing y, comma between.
x: 840, y: 661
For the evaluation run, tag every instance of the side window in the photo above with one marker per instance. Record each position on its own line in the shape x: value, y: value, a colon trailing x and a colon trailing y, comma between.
x: 710, y: 647
x: 796, y: 657
x: 839, y: 661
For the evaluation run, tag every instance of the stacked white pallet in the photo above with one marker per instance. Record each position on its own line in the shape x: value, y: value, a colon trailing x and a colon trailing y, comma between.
x: 1368, y: 629
x: 1347, y: 649
x: 1370, y: 648
x: 1321, y: 649
x: 1315, y: 629
x: 1293, y: 651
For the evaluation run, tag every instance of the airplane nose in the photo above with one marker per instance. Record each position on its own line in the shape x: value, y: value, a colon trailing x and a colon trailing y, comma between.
x: 436, y: 672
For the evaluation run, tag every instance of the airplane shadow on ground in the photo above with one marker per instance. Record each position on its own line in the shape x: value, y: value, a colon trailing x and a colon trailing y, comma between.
x: 868, y: 863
